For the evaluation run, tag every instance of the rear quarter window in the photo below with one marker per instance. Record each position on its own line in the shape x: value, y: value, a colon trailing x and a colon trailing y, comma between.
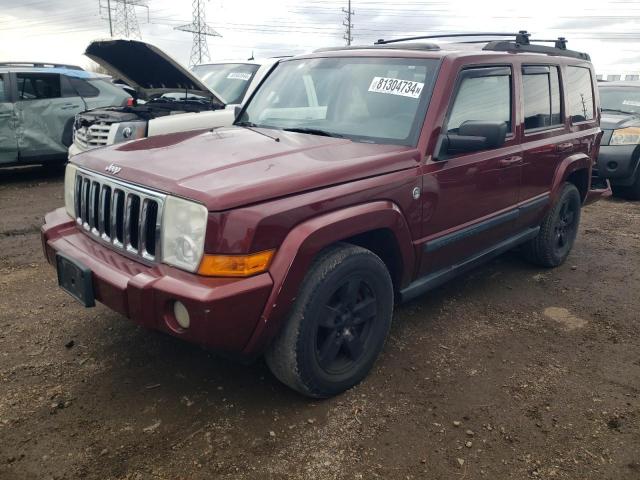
x: 83, y: 87
x: 579, y: 94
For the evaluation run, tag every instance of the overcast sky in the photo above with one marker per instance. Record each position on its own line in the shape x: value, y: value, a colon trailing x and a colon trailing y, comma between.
x: 59, y: 30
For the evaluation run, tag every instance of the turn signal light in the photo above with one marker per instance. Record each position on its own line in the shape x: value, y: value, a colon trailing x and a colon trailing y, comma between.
x: 235, y: 265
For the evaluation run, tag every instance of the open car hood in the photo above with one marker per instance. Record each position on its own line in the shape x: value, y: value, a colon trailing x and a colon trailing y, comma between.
x: 146, y: 68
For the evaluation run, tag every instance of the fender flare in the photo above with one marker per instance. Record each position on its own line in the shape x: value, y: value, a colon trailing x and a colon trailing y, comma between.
x: 298, y: 250
x: 569, y: 165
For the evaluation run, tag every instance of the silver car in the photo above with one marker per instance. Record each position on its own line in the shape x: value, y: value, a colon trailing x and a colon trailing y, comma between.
x: 38, y: 103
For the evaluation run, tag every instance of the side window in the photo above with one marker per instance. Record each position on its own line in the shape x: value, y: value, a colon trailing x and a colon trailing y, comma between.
x: 35, y: 86
x: 579, y: 94
x: 83, y: 88
x: 541, y: 89
x: 482, y: 98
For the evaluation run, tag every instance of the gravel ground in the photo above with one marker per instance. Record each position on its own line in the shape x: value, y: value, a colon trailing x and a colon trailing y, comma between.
x: 510, y: 372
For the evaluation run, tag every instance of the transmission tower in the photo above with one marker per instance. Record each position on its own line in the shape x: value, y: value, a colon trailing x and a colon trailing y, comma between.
x: 200, y: 30
x: 347, y: 23
x: 123, y: 20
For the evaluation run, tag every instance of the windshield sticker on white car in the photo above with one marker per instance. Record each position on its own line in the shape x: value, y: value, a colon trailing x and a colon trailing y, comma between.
x: 395, y: 86
x: 239, y: 76
x: 633, y: 103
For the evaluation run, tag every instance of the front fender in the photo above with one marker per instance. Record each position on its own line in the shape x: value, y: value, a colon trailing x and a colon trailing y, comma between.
x: 296, y: 254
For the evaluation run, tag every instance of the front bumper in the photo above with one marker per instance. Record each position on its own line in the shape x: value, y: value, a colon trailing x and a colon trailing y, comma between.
x: 618, y: 163
x: 74, y: 150
x: 224, y: 312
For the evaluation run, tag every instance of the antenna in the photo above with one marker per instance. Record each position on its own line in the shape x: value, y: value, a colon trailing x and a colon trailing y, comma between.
x: 200, y: 30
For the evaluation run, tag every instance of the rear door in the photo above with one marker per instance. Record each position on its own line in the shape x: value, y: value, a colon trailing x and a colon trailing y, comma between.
x: 46, y: 104
x: 545, y: 139
x: 470, y: 199
x: 8, y: 139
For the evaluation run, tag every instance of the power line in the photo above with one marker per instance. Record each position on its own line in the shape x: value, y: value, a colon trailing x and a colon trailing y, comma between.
x: 122, y: 17
x: 200, y: 30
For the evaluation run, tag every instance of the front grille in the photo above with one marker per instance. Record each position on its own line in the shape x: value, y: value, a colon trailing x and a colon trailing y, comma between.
x: 123, y: 216
x: 96, y: 135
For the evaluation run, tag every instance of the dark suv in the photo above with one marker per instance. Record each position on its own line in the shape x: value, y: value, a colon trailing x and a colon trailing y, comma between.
x: 353, y: 178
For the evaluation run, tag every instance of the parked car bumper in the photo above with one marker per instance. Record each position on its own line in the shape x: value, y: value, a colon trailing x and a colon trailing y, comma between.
x: 223, y: 312
x: 619, y: 163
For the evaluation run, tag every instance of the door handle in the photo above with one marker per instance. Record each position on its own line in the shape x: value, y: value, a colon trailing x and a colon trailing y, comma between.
x: 564, y: 147
x: 509, y: 162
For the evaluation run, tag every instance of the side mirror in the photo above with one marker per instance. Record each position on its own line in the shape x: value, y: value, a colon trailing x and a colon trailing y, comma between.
x: 473, y: 136
x: 236, y: 111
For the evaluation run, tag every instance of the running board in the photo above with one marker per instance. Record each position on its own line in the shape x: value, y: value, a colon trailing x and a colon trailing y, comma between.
x: 433, y: 280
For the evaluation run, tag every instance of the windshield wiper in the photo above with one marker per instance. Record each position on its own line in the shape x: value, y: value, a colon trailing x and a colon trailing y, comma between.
x: 313, y: 131
x: 251, y: 126
x: 618, y: 111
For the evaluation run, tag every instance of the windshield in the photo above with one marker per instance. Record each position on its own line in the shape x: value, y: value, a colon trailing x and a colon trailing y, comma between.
x: 620, y: 99
x: 230, y: 80
x: 379, y: 100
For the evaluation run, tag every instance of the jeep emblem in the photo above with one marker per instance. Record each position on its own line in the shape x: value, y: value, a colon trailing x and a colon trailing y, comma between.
x: 113, y: 168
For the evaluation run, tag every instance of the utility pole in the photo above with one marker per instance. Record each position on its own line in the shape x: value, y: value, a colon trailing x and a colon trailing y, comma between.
x: 347, y: 23
x: 109, y: 12
x: 123, y: 20
x: 200, y: 30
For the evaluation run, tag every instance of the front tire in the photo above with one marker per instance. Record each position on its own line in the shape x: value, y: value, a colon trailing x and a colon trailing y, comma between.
x: 338, y: 324
x: 558, y: 231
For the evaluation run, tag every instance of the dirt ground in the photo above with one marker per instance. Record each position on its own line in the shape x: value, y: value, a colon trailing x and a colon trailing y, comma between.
x: 510, y: 372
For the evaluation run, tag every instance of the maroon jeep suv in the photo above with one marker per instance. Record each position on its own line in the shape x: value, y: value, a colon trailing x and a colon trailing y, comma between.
x: 353, y: 179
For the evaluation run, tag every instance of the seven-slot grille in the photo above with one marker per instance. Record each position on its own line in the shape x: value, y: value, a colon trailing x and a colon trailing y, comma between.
x: 123, y: 216
x: 95, y: 135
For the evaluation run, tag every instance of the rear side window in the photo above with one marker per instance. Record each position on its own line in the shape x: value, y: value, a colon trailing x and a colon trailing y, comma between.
x: 482, y: 98
x: 35, y: 86
x: 83, y: 87
x: 579, y: 94
x: 541, y: 88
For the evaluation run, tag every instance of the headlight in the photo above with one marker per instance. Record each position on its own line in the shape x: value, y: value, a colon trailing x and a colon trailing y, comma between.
x: 625, y: 136
x: 70, y: 190
x: 130, y: 131
x: 184, y: 225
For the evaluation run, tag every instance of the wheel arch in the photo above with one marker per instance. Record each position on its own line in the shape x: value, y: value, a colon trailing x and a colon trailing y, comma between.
x: 378, y: 226
x: 575, y: 169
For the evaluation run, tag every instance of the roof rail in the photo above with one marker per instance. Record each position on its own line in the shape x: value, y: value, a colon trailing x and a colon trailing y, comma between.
x: 521, y: 37
x: 40, y: 65
x: 519, y: 42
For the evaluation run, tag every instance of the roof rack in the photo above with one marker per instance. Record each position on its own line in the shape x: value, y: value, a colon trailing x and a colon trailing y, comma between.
x: 40, y: 65
x: 522, y: 36
x: 521, y: 42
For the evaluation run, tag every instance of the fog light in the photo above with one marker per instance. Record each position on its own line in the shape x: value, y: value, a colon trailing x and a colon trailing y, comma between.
x: 181, y: 314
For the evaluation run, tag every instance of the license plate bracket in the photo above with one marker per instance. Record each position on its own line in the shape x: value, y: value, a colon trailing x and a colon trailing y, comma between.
x: 75, y: 279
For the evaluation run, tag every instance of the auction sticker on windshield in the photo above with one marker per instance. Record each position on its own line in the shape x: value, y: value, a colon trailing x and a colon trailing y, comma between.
x: 395, y: 86
x: 239, y: 76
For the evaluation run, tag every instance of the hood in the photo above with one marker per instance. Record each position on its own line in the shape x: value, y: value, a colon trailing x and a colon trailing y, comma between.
x: 614, y: 120
x: 231, y: 167
x: 146, y: 68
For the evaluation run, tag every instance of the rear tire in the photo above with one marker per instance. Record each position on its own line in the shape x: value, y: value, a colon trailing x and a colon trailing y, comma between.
x: 338, y: 324
x: 558, y: 230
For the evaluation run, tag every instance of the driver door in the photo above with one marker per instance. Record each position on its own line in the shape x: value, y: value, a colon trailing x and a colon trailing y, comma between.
x: 470, y: 199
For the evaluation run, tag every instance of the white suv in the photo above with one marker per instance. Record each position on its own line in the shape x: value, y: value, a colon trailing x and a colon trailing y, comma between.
x: 169, y: 97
